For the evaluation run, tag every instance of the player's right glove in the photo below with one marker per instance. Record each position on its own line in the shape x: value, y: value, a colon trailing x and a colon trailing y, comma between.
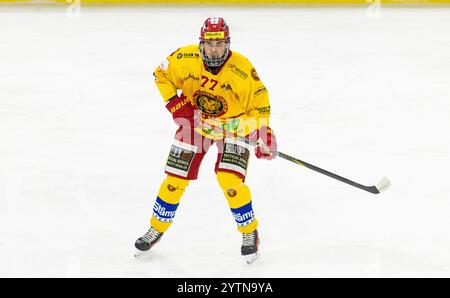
x: 182, y: 111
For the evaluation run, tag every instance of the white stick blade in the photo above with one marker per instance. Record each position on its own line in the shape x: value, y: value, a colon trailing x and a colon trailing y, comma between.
x: 383, y: 185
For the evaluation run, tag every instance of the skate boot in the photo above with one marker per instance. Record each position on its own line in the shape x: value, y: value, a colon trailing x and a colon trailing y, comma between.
x: 249, y: 248
x: 144, y: 243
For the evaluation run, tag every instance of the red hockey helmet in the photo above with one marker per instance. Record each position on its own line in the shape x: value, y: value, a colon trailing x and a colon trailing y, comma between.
x: 214, y: 30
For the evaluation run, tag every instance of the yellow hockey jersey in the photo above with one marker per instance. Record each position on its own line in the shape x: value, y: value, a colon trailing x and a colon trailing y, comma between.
x: 234, y: 98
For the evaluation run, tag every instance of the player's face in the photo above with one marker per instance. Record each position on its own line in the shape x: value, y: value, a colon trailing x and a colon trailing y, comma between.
x: 214, y: 49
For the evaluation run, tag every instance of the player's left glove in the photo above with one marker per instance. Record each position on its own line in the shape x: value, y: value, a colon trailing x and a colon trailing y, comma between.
x: 267, y: 143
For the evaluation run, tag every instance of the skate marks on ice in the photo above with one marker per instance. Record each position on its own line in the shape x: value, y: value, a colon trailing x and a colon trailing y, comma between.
x: 171, y: 263
x: 311, y: 261
x: 193, y: 264
x: 355, y: 261
x: 157, y: 263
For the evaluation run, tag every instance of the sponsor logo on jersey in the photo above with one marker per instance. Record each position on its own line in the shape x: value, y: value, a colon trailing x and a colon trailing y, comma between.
x: 231, y: 127
x: 238, y: 71
x: 260, y: 91
x: 214, y: 35
x: 263, y: 110
x: 255, y: 74
x: 188, y: 55
x: 190, y: 76
x: 226, y: 87
x: 211, y: 105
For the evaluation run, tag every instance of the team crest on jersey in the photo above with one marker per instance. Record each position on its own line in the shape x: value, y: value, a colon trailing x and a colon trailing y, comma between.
x: 255, y: 75
x: 211, y: 105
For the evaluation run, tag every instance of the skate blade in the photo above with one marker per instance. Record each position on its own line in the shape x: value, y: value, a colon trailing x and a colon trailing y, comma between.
x: 140, y: 253
x: 250, y: 259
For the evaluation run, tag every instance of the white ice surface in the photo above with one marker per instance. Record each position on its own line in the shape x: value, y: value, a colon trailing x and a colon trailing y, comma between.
x: 84, y: 138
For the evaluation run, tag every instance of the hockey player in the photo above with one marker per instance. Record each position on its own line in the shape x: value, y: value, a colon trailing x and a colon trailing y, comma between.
x: 219, y: 89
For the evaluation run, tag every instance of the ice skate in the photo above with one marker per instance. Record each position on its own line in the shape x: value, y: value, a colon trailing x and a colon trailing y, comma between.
x: 144, y: 243
x: 249, y: 248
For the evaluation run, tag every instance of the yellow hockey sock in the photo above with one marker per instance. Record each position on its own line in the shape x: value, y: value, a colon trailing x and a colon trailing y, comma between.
x: 240, y: 201
x: 169, y: 195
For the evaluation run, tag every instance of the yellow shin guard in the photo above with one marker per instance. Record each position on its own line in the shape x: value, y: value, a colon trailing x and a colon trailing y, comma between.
x: 170, y: 192
x: 239, y: 199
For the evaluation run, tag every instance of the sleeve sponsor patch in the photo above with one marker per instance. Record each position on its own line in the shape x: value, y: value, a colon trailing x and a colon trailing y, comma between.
x: 263, y: 110
x: 255, y: 75
x: 260, y: 91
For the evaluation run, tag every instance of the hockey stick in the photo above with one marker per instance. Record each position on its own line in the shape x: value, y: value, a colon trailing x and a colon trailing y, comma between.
x: 381, y: 186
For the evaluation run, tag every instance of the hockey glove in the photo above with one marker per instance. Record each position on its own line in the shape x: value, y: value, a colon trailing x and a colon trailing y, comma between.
x: 182, y: 111
x: 267, y: 145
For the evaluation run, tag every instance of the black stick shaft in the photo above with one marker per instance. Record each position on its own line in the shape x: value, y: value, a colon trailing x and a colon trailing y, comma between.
x: 371, y: 189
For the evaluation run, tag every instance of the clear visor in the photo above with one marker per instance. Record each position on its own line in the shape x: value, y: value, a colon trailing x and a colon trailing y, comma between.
x: 212, y: 43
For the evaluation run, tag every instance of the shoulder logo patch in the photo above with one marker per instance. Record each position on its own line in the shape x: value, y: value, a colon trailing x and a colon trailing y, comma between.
x: 255, y: 75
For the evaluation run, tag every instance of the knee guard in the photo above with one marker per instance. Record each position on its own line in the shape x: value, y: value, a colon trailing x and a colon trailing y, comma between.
x: 240, y: 201
x: 169, y: 195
